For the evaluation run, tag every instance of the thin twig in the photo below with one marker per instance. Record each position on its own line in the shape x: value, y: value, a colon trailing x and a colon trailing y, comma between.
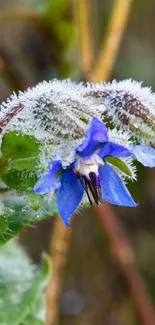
x: 110, y: 47
x: 83, y: 25
x: 123, y: 253
x: 60, y: 239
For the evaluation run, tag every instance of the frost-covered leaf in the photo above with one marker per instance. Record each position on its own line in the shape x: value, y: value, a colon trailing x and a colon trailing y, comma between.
x: 21, y: 286
x: 19, y: 157
x: 19, y: 145
x: 12, y: 223
x: 20, y: 180
x: 19, y: 214
x: 23, y: 163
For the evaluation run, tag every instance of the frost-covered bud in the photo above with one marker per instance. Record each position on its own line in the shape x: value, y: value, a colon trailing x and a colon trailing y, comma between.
x: 128, y: 105
x: 52, y: 111
x: 57, y: 113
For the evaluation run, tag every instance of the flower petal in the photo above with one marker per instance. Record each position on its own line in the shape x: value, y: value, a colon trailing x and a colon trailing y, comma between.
x: 94, y: 136
x: 69, y: 195
x: 48, y: 182
x: 144, y: 154
x: 113, y: 189
x: 114, y: 150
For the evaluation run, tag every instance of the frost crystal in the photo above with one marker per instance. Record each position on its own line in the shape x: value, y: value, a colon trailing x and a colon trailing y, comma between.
x: 128, y: 104
x: 57, y: 113
x: 51, y: 111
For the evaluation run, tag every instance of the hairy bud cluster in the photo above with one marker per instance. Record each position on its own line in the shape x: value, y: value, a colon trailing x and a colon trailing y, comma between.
x: 129, y: 105
x: 58, y: 112
x: 52, y: 111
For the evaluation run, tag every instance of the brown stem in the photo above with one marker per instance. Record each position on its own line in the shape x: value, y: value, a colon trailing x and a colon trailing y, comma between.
x: 58, y: 253
x: 110, y: 47
x: 123, y: 253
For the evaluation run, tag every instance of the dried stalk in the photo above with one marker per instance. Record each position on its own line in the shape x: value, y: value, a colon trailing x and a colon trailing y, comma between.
x: 60, y: 239
x: 84, y: 34
x: 123, y: 253
x: 111, y: 45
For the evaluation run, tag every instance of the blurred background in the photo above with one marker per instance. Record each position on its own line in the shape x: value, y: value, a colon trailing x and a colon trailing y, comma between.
x: 42, y: 40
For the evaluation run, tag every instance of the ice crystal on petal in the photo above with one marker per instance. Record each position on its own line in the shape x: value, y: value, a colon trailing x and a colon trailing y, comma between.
x: 128, y: 104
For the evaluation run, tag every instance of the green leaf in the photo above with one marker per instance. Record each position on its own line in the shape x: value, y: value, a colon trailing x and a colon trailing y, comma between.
x: 19, y: 152
x: 23, y: 163
x: 33, y: 320
x: 37, y: 314
x: 20, y: 214
x: 19, y: 146
x: 13, y: 222
x: 119, y: 164
x: 35, y: 200
x: 21, y: 289
x: 21, y: 180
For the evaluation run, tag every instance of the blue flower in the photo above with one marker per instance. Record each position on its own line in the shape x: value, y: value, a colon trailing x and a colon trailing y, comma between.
x: 91, y: 173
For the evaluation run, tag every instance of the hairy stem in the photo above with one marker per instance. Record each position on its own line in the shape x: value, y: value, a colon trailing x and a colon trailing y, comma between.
x: 123, y: 253
x: 110, y: 47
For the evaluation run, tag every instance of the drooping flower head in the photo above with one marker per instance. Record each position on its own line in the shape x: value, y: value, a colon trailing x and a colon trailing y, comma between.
x: 91, y: 172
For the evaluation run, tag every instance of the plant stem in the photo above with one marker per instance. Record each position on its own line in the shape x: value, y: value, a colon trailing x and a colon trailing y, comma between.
x: 60, y: 239
x: 110, y: 47
x: 84, y: 34
x: 124, y: 255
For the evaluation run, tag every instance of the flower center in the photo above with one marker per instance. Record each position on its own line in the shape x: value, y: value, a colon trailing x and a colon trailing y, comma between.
x: 87, y: 171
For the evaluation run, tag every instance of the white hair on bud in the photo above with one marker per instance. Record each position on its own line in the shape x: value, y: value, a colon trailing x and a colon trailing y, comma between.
x: 52, y: 111
x: 121, y: 137
x: 128, y: 105
x: 58, y: 112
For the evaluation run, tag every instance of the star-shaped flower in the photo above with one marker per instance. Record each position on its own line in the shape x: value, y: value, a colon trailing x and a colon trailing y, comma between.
x: 90, y: 172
